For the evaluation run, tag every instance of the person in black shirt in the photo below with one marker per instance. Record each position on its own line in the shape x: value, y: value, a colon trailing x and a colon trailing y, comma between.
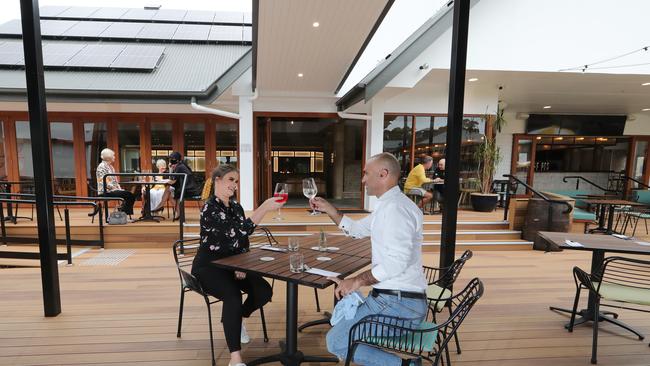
x: 439, y: 182
x: 177, y: 165
x: 224, y: 233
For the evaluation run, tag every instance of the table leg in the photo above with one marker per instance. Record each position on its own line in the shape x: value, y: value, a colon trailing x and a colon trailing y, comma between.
x: 610, y: 220
x: 601, y: 221
x: 290, y: 354
x: 146, y: 207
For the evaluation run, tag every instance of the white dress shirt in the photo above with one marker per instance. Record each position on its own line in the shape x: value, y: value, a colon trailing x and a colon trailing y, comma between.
x: 395, y: 230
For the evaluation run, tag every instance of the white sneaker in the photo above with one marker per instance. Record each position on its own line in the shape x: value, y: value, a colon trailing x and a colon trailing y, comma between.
x: 244, y: 338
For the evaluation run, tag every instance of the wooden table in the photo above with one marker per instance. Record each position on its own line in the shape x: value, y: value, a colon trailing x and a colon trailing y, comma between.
x: 598, y: 245
x: 606, y: 202
x: 353, y: 255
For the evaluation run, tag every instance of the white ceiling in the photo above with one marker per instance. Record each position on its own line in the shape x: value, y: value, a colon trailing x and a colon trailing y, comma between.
x: 529, y: 92
x: 288, y: 44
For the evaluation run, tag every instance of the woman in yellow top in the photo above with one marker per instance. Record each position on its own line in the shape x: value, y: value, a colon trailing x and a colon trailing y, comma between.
x: 417, y: 177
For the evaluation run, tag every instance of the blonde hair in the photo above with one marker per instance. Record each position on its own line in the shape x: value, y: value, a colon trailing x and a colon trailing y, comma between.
x: 161, y: 163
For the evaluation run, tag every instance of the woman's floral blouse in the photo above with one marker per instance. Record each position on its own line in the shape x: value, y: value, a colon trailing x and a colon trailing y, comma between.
x: 224, y: 231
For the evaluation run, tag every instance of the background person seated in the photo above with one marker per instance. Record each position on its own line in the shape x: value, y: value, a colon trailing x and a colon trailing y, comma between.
x: 439, y: 177
x: 113, y: 188
x: 417, y: 177
x: 159, y: 194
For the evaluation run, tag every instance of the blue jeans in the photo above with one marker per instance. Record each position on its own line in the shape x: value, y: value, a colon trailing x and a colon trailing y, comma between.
x: 338, y: 336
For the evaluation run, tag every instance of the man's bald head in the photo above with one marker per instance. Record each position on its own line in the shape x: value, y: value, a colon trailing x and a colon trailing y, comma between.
x: 389, y: 162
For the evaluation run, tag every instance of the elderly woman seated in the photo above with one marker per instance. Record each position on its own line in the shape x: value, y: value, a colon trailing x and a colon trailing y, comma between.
x: 160, y: 193
x: 113, y: 188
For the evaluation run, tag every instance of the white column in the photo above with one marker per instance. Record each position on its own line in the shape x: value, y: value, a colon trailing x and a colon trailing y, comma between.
x: 374, y: 140
x: 246, y: 166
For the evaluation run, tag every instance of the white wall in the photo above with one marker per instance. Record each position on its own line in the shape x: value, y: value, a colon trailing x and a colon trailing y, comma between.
x: 504, y: 141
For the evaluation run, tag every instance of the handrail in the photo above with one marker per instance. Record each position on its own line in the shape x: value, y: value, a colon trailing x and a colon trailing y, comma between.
x: 578, y: 178
x: 540, y: 194
x: 68, y: 241
x: 183, y: 175
x: 625, y: 177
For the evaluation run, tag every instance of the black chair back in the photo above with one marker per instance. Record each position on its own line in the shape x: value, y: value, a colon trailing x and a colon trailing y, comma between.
x: 623, y: 271
x: 184, y: 253
x: 447, y: 276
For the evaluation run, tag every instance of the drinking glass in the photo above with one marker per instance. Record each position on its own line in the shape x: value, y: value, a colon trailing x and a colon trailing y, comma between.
x: 310, y: 190
x: 322, y: 241
x: 296, y: 263
x: 294, y: 244
x: 282, y: 193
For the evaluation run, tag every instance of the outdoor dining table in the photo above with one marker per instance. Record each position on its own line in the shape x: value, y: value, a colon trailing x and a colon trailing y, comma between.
x: 347, y: 255
x: 603, y: 204
x: 5, y: 186
x: 598, y: 245
x: 146, y: 207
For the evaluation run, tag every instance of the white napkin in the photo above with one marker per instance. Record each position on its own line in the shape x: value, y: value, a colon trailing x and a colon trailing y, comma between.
x: 621, y: 236
x: 273, y: 249
x: 574, y: 244
x: 642, y: 242
x: 322, y: 272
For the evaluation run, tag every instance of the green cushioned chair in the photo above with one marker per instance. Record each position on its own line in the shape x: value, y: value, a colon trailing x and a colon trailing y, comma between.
x: 573, y: 193
x: 641, y: 196
x: 428, y: 339
x: 580, y: 214
x: 621, y: 280
x: 440, y: 281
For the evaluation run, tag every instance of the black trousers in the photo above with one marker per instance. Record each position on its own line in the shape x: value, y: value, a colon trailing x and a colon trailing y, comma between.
x: 223, y: 285
x: 129, y: 199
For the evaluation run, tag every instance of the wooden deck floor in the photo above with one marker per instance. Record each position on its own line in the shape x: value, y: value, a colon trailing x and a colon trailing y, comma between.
x: 126, y: 315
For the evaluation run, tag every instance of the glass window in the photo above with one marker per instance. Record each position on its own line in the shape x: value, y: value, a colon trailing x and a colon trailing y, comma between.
x: 227, y: 136
x: 95, y: 137
x: 397, y: 139
x: 161, y: 141
x: 61, y: 142
x: 194, y: 135
x: 639, y: 162
x: 24, y: 147
x: 3, y: 161
x: 129, y: 146
x: 326, y: 149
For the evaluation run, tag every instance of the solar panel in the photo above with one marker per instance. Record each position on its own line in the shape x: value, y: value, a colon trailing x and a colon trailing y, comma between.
x: 11, y: 27
x: 57, y: 54
x: 122, y: 30
x: 108, y: 13
x: 78, y: 12
x: 96, y: 55
x: 56, y: 27
x: 170, y: 15
x: 192, y: 32
x: 199, y: 16
x: 87, y: 29
x: 11, y: 53
x: 138, y: 57
x: 229, y: 17
x: 158, y: 31
x: 225, y: 33
x: 52, y: 11
x: 139, y: 14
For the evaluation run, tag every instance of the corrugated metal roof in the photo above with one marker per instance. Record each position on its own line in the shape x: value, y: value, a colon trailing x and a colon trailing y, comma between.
x: 190, y: 68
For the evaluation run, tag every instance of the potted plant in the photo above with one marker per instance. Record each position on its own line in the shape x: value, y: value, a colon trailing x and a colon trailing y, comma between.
x: 488, y: 156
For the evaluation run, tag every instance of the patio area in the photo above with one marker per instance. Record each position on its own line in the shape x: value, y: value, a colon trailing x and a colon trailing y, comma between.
x: 126, y: 313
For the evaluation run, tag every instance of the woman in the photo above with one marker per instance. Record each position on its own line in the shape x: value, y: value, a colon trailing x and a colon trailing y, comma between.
x: 159, y: 194
x: 113, y: 188
x: 224, y: 232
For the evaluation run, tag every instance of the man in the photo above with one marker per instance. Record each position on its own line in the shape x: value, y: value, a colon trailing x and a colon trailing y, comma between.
x: 439, y: 182
x: 417, y: 177
x: 191, y: 188
x: 395, y: 230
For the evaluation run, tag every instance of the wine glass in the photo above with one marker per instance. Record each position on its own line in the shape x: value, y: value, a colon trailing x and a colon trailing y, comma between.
x: 282, y: 192
x: 310, y: 191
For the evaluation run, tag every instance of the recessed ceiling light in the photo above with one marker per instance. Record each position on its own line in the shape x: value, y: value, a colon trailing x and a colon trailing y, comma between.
x: 645, y: 109
x: 645, y: 84
x: 300, y: 75
x: 472, y: 79
x: 547, y: 107
x: 315, y: 24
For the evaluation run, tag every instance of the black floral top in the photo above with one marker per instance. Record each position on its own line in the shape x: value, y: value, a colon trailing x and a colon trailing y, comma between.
x: 224, y: 231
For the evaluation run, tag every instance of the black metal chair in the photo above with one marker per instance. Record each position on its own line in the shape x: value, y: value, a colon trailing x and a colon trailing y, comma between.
x: 426, y: 340
x: 440, y: 284
x: 622, y: 280
x: 184, y: 253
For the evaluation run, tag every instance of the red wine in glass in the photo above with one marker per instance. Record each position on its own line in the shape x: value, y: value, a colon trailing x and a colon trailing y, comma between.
x: 283, y: 197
